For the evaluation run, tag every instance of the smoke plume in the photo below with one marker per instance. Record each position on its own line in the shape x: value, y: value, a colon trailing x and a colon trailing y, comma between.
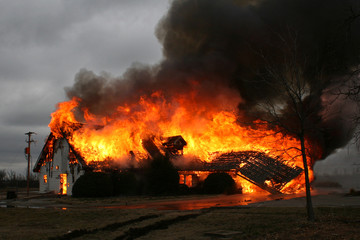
x: 218, y: 48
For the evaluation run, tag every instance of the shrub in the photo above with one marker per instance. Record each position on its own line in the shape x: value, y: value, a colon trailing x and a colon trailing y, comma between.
x: 161, y: 177
x: 125, y: 183
x: 217, y: 183
x: 93, y: 184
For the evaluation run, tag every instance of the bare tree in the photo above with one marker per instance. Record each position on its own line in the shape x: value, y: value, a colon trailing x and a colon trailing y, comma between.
x: 350, y: 88
x: 2, y: 177
x: 294, y: 107
x: 11, y: 175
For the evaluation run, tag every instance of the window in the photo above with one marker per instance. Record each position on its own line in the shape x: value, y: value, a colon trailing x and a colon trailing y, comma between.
x: 45, y: 178
x: 182, y: 179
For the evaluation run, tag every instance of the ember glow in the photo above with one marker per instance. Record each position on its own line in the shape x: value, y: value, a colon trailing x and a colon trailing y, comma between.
x: 208, y: 131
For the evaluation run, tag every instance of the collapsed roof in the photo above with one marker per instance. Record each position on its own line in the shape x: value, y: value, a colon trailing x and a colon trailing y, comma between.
x: 258, y: 168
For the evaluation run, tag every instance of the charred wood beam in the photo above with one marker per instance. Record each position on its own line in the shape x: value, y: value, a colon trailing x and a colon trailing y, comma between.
x: 258, y: 168
x: 45, y: 153
x: 263, y: 186
x: 151, y: 148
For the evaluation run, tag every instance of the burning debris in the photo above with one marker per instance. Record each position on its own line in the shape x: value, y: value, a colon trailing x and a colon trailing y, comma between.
x: 174, y: 146
x: 170, y: 146
x: 258, y: 168
x: 265, y: 172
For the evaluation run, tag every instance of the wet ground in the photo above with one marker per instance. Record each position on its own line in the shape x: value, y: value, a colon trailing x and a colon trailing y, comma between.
x: 240, y: 216
x: 204, y: 201
x: 187, y: 202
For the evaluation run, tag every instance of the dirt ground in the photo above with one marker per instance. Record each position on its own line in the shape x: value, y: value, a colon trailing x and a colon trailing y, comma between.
x: 180, y: 217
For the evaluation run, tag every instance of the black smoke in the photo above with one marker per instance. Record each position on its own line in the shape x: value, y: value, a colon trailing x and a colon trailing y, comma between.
x: 225, y: 44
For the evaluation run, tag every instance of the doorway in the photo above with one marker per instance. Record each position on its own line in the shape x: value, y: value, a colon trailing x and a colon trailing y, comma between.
x: 63, y: 184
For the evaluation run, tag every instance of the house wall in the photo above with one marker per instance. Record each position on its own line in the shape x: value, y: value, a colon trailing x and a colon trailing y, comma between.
x: 59, y: 165
x: 73, y: 174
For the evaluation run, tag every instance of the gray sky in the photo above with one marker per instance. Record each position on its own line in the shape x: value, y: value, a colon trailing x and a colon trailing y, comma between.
x: 43, y: 44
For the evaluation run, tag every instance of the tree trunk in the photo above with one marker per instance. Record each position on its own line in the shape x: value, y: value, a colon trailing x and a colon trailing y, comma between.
x: 309, y: 206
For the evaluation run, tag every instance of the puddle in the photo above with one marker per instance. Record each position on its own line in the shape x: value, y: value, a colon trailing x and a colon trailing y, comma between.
x: 200, y: 203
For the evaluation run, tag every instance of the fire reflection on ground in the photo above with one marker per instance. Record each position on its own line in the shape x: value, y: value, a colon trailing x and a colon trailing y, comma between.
x: 200, y: 202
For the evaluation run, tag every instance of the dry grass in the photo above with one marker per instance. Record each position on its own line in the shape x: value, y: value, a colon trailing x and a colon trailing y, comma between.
x: 267, y: 223
x: 246, y: 222
x: 18, y: 223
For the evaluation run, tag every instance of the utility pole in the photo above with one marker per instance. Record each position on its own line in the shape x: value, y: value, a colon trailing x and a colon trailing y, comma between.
x: 27, y: 151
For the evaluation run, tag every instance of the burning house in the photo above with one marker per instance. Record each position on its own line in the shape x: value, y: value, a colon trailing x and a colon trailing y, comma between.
x: 257, y: 158
x: 59, y: 165
x: 243, y: 99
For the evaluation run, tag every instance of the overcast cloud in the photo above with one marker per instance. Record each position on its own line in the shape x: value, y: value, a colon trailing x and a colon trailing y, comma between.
x: 43, y: 44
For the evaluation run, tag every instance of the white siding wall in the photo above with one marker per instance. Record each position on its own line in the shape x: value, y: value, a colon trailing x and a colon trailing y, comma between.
x: 59, y: 165
x: 43, y: 187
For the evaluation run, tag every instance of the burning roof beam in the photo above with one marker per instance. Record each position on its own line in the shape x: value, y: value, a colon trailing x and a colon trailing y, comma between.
x: 46, y: 153
x: 256, y: 167
x: 151, y: 148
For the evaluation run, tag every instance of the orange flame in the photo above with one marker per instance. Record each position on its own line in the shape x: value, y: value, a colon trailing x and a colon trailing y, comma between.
x: 206, y: 128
